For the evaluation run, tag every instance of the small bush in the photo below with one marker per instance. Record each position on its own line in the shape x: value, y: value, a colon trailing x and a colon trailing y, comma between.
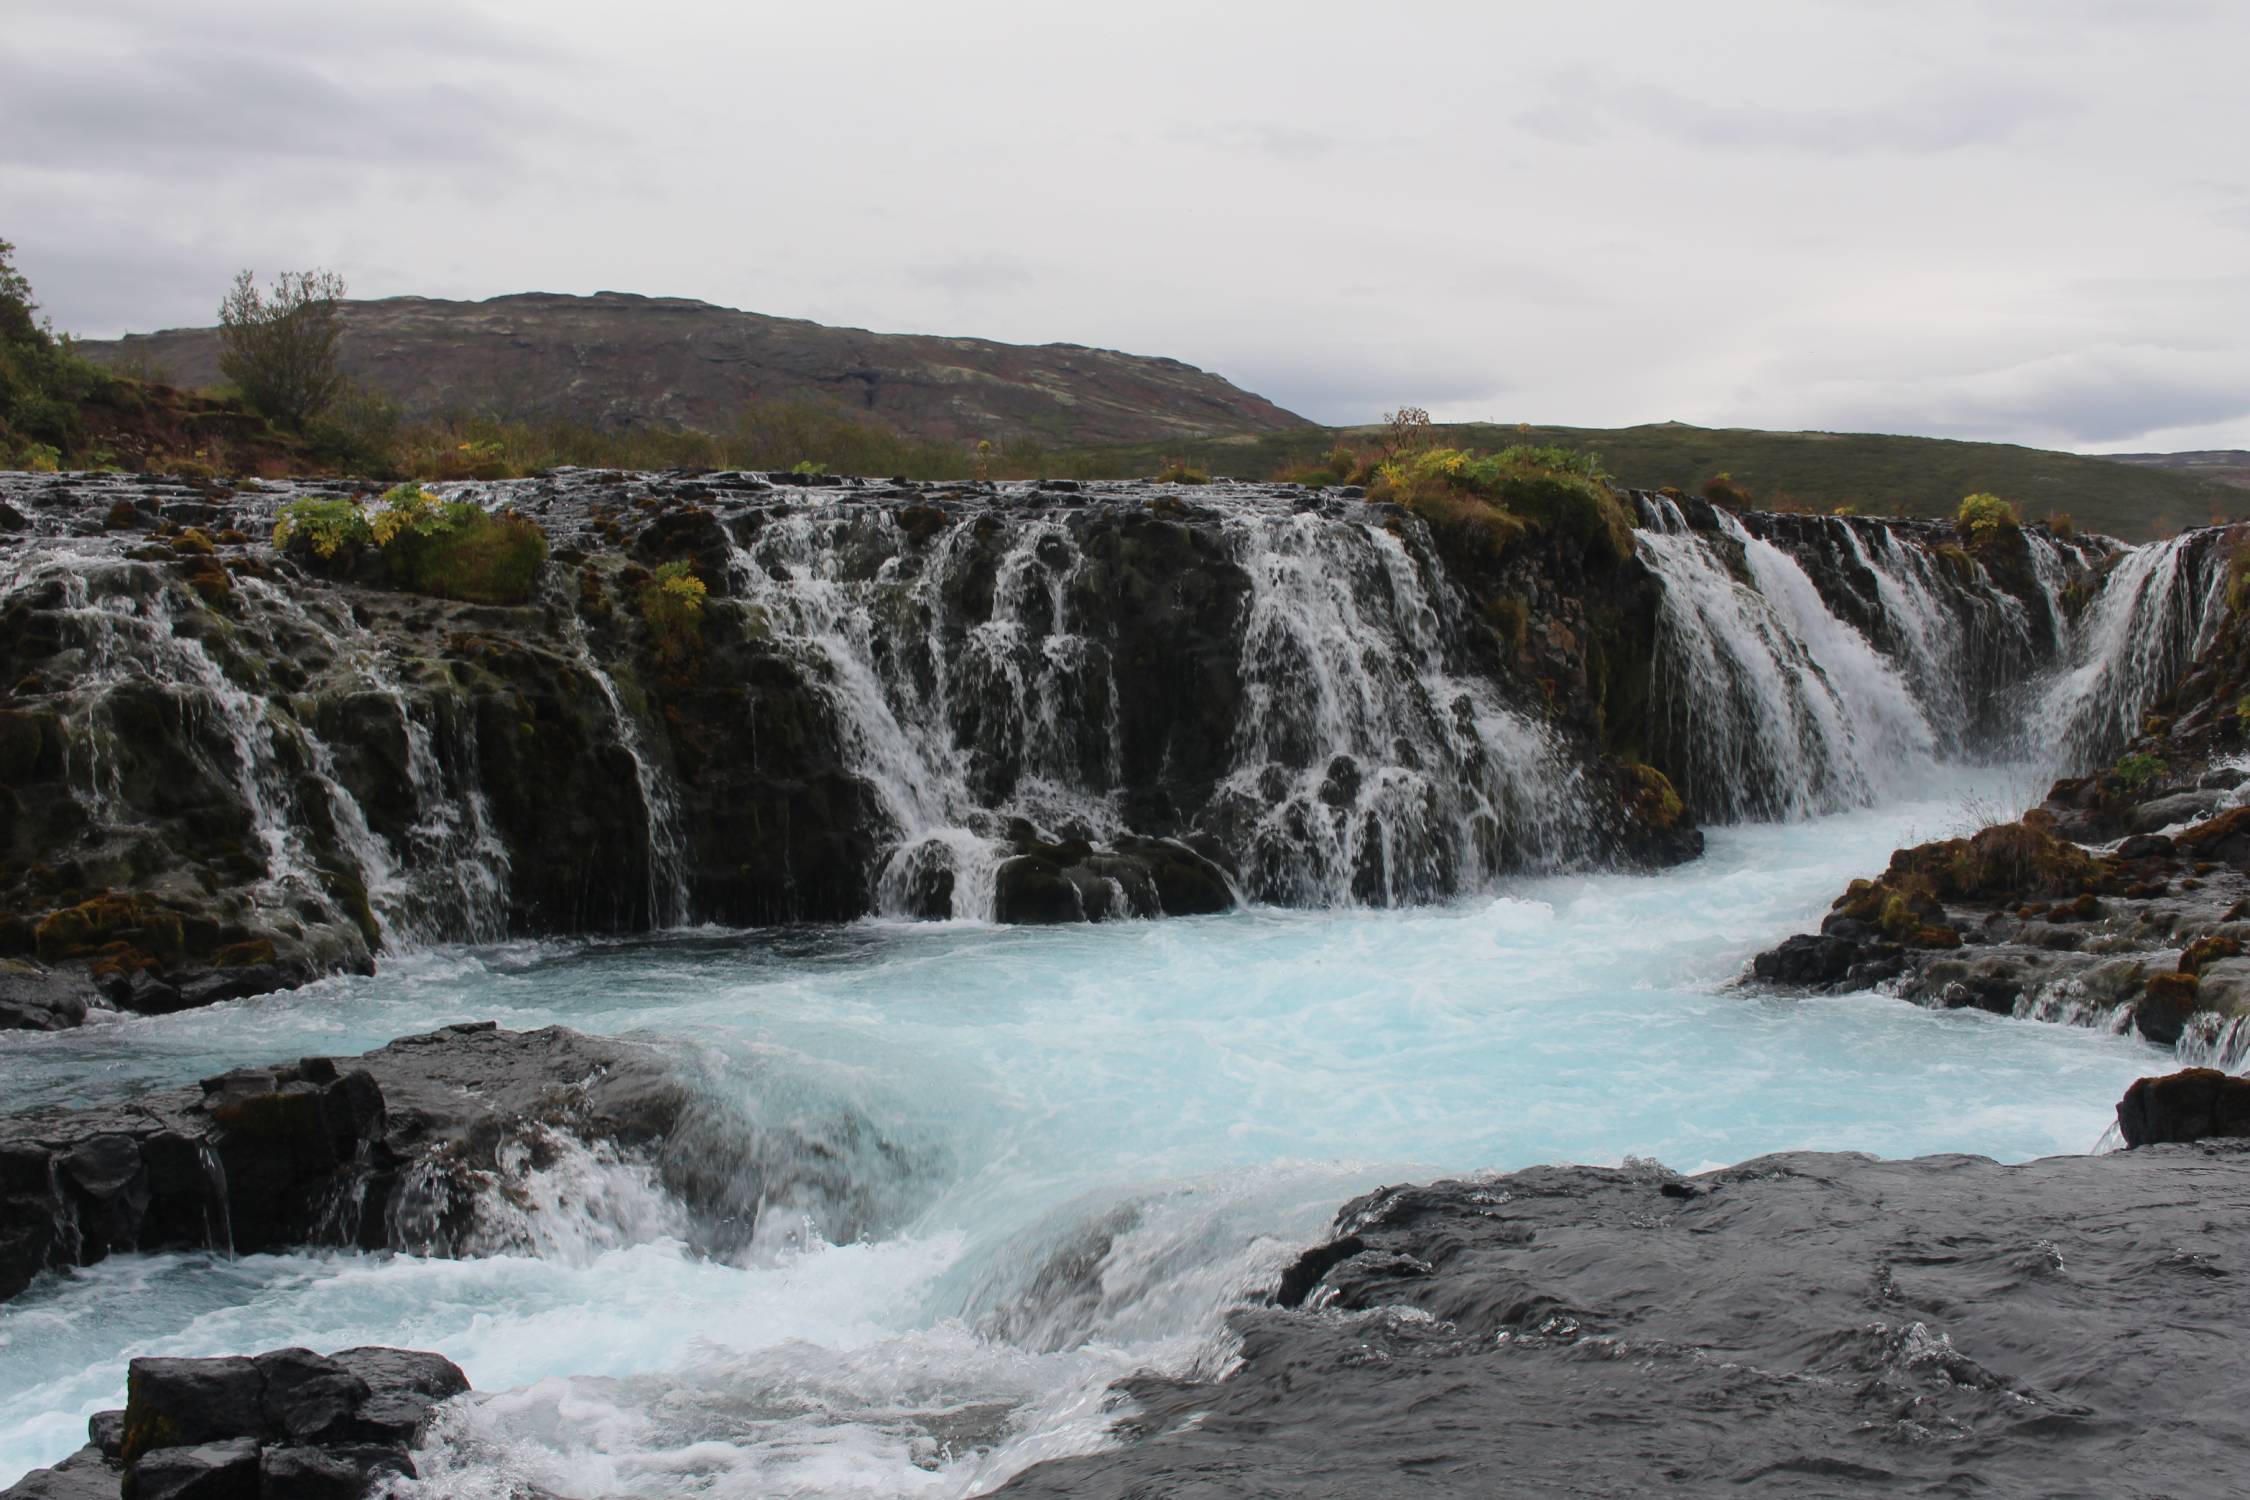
x: 1491, y: 499
x: 2061, y: 524
x: 1986, y: 518
x: 2137, y: 770
x: 447, y: 549
x: 1180, y: 472
x: 328, y: 527
x: 672, y: 609
x: 1724, y: 491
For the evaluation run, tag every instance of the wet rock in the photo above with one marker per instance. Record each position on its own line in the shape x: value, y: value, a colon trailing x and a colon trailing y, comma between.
x: 1808, y: 960
x: 1785, y: 1311
x: 34, y: 998
x: 390, y: 1150
x: 2163, y: 812
x: 85, y: 1475
x: 286, y: 1425
x: 2191, y: 1105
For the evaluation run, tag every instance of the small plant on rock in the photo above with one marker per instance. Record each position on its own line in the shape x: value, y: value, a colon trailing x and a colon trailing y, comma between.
x: 1986, y: 518
x: 2137, y: 770
x: 1179, y: 471
x: 328, y: 526
x: 672, y: 608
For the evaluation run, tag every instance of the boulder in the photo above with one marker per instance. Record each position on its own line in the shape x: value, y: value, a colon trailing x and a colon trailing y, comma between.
x: 313, y: 1153
x: 36, y: 998
x: 1807, y: 960
x: 286, y: 1425
x: 2190, y: 1105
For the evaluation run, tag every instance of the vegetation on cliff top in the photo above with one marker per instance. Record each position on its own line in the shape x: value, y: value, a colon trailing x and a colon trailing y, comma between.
x: 451, y: 549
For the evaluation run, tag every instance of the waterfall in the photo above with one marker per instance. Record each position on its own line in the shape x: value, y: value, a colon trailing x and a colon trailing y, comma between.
x: 2159, y: 607
x: 1291, y: 685
x: 1771, y: 704
x: 1365, y: 770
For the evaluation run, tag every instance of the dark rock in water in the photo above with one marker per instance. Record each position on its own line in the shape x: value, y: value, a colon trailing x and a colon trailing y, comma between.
x: 1808, y: 960
x: 2191, y: 1105
x: 33, y: 998
x: 287, y: 1425
x: 387, y: 1150
x: 1797, y: 1324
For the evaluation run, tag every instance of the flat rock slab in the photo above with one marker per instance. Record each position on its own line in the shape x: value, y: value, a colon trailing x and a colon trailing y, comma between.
x: 1804, y: 1324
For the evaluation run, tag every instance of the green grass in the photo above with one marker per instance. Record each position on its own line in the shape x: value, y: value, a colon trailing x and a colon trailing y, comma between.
x: 1874, y: 473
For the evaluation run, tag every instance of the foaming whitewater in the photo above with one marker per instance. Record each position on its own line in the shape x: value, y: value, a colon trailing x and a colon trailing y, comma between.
x: 1770, y: 705
x: 974, y: 697
x: 986, y: 1172
x: 1364, y: 770
x: 2159, y: 606
x: 1818, y: 663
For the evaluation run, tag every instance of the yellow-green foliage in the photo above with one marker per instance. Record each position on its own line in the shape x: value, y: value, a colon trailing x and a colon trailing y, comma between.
x: 672, y: 608
x: 1176, y: 472
x: 327, y: 526
x: 1983, y: 518
x: 451, y: 549
x: 1495, y: 497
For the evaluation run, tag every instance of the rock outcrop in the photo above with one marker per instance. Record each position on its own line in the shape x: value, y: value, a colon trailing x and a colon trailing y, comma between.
x: 229, y: 769
x: 285, y: 1425
x: 408, y: 1147
x: 1804, y: 1323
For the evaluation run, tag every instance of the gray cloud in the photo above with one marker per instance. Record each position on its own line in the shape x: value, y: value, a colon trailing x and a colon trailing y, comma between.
x: 1991, y: 218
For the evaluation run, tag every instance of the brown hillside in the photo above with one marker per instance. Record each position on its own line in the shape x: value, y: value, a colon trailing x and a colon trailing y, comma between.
x: 617, y: 361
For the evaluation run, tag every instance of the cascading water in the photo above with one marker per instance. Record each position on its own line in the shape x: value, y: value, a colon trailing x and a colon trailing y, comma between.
x: 1364, y: 770
x: 972, y: 687
x: 2158, y: 607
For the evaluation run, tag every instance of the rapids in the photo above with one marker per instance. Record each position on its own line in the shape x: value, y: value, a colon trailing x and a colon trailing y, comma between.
x: 1044, y: 1158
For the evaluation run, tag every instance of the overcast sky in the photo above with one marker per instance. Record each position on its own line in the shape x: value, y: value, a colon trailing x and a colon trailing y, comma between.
x: 2023, y: 219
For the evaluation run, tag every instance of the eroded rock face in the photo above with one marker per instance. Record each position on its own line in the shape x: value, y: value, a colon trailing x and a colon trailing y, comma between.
x: 286, y: 1425
x: 1803, y: 1323
x: 228, y: 769
x: 394, y: 1149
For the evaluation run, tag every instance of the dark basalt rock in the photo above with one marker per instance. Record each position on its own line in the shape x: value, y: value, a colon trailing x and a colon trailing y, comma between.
x: 34, y: 998
x: 2191, y: 1105
x: 287, y: 1425
x: 390, y: 1149
x: 1798, y: 1324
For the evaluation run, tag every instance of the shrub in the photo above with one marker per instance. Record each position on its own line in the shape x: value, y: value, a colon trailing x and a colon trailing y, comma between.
x: 2061, y: 524
x: 41, y: 381
x: 2137, y: 770
x: 1724, y: 491
x: 448, y: 549
x: 672, y: 608
x: 1986, y: 518
x: 279, y: 348
x: 1490, y: 499
x: 1179, y: 472
x: 328, y: 527
x: 455, y: 549
x: 1407, y: 430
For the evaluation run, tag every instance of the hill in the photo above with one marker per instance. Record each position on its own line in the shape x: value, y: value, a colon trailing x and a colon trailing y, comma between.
x: 2226, y: 465
x: 616, y: 362
x: 1876, y: 473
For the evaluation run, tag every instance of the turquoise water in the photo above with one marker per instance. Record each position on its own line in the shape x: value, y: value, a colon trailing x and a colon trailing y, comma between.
x: 1174, y: 1107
